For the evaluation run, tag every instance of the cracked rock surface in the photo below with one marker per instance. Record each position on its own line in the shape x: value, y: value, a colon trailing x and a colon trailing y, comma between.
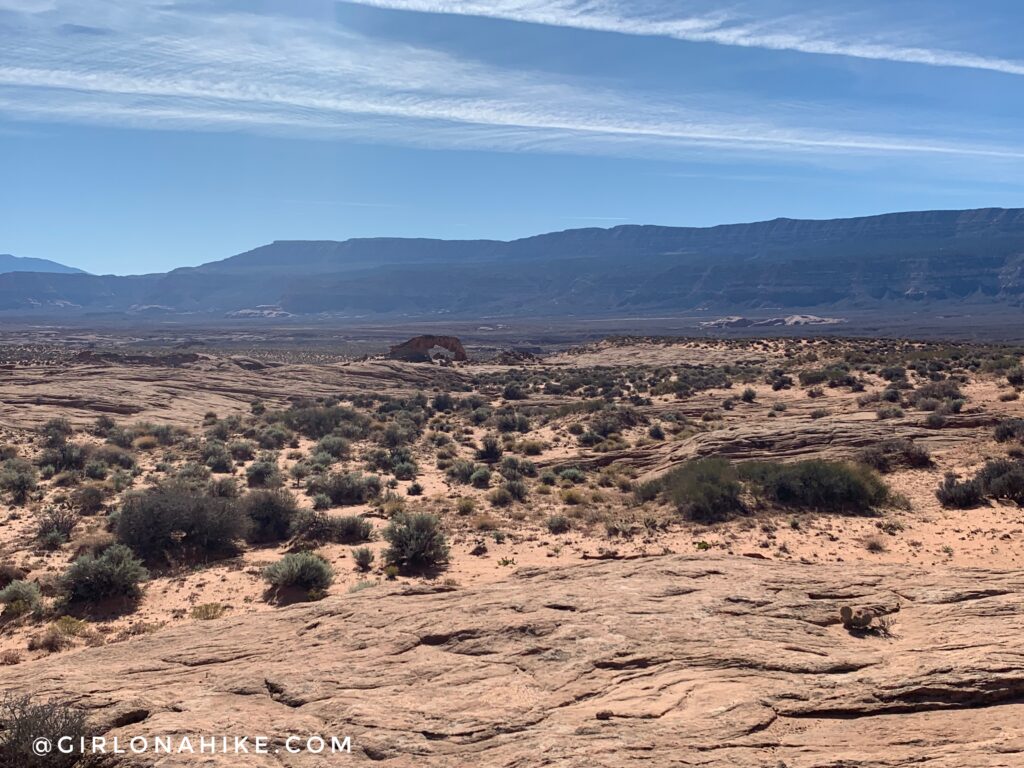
x: 660, y: 661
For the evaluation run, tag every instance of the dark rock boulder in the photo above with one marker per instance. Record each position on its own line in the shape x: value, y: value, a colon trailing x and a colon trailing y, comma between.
x: 423, y: 349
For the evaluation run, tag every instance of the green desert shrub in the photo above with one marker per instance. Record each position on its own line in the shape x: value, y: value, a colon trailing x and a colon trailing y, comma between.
x: 318, y: 527
x: 177, y: 518
x: 416, y: 541
x: 334, y: 446
x: 500, y: 497
x: 490, y: 450
x: 217, y: 457
x: 959, y: 494
x: 55, y: 526
x: 318, y: 421
x: 273, y: 438
x: 115, y: 573
x: 346, y: 488
x: 827, y: 486
x: 363, y: 557
x: 1002, y: 479
x: 20, y: 597
x: 1009, y: 429
x: 888, y: 455
x: 242, y: 450
x: 112, y: 456
x: 704, y: 490
x: 481, y: 478
x: 558, y: 524
x: 573, y: 475
x: 26, y: 719
x: 270, y: 514
x: 517, y: 489
x: 19, y: 479
x: 300, y: 570
x: 460, y: 471
x: 263, y: 473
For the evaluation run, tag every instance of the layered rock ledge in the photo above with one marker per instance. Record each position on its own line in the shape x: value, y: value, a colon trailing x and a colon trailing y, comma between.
x: 662, y: 661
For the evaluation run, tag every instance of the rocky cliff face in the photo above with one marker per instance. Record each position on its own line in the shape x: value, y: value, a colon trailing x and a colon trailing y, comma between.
x: 666, y: 661
x: 940, y: 258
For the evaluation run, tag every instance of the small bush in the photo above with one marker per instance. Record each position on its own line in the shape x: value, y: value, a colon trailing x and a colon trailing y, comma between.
x: 56, y: 431
x: 416, y: 542
x: 704, y: 490
x: 116, y: 573
x: 176, y: 517
x: 273, y: 438
x: 18, y: 478
x: 461, y: 471
x: 319, y: 528
x: 1002, y: 479
x: 87, y: 499
x: 316, y: 422
x: 558, y: 524
x: 346, y: 488
x: 363, y: 557
x: 242, y: 450
x: 490, y: 450
x: 270, y: 514
x: 334, y: 446
x: 208, y: 611
x: 889, y: 412
x: 25, y: 719
x: 1009, y: 429
x: 55, y: 526
x: 481, y: 478
x: 500, y: 497
x: 223, y: 488
x: 300, y: 570
x: 517, y: 489
x: 514, y: 391
x: 959, y: 494
x: 263, y: 473
x: 829, y: 486
x: 20, y: 597
x: 890, y: 454
x: 647, y: 491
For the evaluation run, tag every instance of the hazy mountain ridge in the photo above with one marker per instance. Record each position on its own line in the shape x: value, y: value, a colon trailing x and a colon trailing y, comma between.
x: 9, y: 263
x: 946, y: 257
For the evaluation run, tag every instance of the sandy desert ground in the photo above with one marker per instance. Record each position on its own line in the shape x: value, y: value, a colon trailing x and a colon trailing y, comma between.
x: 581, y: 441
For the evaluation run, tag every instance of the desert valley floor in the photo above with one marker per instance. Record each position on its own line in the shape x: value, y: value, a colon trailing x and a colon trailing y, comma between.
x: 603, y: 600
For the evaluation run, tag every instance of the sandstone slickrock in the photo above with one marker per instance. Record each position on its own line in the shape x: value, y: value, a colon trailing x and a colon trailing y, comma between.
x: 663, y: 661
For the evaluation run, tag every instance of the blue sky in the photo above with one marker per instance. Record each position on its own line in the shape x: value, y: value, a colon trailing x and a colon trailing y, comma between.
x: 140, y: 135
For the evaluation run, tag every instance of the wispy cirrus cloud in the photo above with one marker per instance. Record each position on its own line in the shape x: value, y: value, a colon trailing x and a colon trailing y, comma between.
x: 784, y: 33
x: 170, y: 66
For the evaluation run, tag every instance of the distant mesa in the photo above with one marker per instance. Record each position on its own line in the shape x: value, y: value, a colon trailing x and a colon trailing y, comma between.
x: 790, y: 320
x: 426, y: 349
x: 923, y: 263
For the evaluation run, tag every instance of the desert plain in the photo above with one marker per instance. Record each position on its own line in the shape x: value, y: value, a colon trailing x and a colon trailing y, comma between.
x: 631, y: 551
